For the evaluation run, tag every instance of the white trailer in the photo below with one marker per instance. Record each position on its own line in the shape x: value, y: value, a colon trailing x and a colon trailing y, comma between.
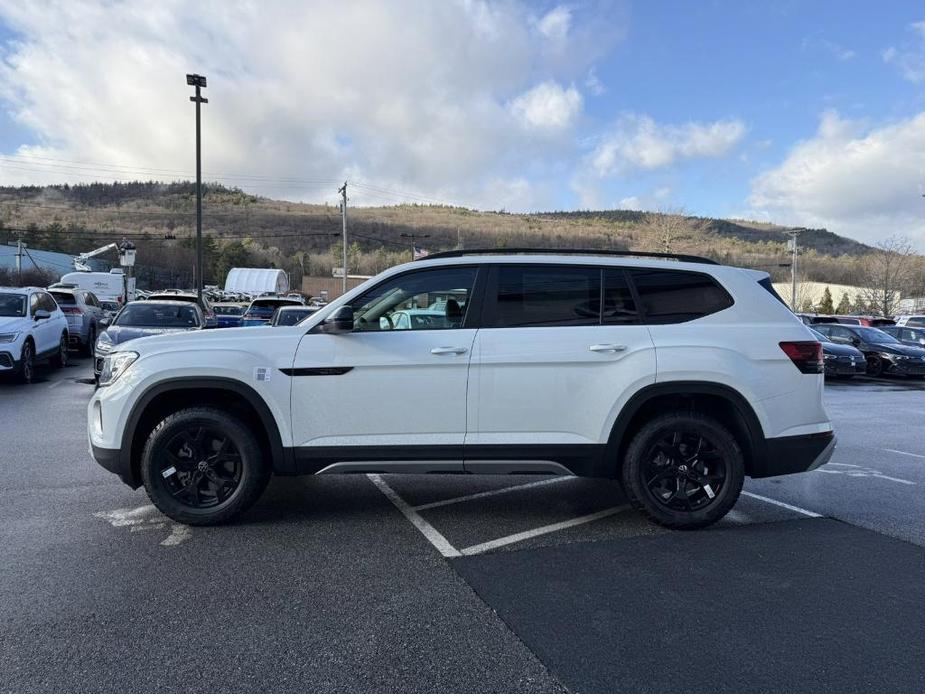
x: 255, y: 281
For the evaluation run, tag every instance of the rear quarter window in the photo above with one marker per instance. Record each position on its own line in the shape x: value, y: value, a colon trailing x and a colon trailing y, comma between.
x: 678, y: 296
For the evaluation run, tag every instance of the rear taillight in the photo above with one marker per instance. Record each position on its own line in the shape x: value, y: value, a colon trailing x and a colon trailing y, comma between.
x: 806, y: 356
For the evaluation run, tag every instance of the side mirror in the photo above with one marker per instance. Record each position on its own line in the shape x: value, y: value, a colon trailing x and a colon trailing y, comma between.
x: 41, y: 314
x: 341, y: 321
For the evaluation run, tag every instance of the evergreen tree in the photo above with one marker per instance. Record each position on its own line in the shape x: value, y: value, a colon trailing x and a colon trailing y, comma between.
x: 844, y: 305
x: 825, y: 305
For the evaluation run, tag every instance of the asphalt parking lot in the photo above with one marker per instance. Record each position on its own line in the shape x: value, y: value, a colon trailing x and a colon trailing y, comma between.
x: 463, y: 583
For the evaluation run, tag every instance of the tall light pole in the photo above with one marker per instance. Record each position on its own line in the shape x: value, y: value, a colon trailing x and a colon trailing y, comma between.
x: 198, y: 81
x: 413, y: 237
x: 343, y: 211
x: 796, y: 231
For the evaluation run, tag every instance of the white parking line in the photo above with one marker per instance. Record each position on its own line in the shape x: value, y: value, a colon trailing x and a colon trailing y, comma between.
x: 914, y: 455
x: 55, y: 384
x: 427, y: 530
x: 527, y: 534
x: 811, y: 514
x: 492, y: 492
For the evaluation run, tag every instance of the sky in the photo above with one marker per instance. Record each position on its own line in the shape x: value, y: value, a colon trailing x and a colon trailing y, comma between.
x: 800, y: 112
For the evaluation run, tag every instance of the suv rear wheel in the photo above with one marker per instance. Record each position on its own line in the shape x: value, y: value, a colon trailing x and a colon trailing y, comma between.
x: 683, y: 470
x: 202, y: 466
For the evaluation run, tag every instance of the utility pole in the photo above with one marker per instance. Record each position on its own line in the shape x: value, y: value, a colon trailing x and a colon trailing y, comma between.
x: 198, y: 81
x: 413, y: 237
x: 19, y: 259
x: 343, y: 213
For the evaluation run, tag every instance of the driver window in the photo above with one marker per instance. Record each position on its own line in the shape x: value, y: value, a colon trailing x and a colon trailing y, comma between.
x: 425, y: 300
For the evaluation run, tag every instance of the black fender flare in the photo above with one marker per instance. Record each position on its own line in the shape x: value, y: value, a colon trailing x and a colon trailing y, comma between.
x: 755, y: 447
x: 282, y: 461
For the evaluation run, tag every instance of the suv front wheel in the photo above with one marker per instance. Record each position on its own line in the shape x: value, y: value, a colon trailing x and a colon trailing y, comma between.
x: 683, y: 470
x: 203, y: 466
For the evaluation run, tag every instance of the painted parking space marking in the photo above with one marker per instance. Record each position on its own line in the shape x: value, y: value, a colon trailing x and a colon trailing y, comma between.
x: 147, y: 518
x: 491, y: 492
x: 543, y: 530
x: 913, y: 455
x: 427, y: 530
x: 811, y: 514
x: 859, y: 471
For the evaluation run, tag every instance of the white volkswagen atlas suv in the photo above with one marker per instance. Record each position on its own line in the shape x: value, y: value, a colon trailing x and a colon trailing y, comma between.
x: 670, y: 373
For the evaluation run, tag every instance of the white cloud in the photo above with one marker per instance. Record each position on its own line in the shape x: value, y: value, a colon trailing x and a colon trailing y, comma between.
x: 910, y: 58
x: 548, y: 106
x: 853, y: 179
x: 593, y: 84
x: 638, y: 142
x: 836, y: 50
x: 555, y: 24
x: 409, y: 95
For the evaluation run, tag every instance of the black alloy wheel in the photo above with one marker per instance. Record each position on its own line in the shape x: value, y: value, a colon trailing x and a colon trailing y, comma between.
x: 61, y: 357
x: 27, y: 363
x: 201, y: 467
x: 684, y: 470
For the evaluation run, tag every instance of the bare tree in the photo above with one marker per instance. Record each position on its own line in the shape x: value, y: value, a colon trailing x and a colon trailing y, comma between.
x: 669, y: 225
x: 889, y: 273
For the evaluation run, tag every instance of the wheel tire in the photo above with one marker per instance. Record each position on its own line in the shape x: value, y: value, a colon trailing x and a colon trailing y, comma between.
x: 27, y: 363
x: 59, y: 361
x: 91, y: 343
x: 252, y: 471
x: 638, y: 466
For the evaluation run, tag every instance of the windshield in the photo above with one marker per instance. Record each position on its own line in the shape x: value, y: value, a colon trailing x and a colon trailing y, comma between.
x: 150, y: 315
x: 874, y: 335
x: 273, y: 303
x: 12, y: 305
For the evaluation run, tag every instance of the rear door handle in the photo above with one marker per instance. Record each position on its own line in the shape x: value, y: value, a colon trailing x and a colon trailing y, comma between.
x: 449, y: 350
x: 608, y: 348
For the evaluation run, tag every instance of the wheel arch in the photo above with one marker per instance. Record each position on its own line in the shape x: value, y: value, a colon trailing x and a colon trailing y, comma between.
x: 723, y: 402
x: 227, y: 394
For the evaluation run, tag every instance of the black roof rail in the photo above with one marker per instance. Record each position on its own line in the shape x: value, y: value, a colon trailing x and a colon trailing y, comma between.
x: 459, y: 253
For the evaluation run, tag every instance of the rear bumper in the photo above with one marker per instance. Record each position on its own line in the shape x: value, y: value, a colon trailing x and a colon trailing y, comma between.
x: 111, y: 459
x: 788, y: 454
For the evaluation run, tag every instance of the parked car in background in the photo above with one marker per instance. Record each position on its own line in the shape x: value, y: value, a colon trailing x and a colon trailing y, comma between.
x: 84, y: 315
x: 110, y: 308
x: 290, y: 315
x: 211, y: 320
x: 916, y: 321
x: 146, y: 318
x: 261, y: 309
x: 884, y: 353
x: 914, y: 337
x: 228, y: 315
x: 32, y: 328
x: 841, y: 360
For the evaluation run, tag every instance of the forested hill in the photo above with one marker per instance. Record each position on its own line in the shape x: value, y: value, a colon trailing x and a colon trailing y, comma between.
x: 243, y: 228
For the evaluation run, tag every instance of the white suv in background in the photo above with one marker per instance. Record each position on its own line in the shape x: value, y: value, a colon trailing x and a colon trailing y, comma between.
x: 675, y: 375
x: 32, y: 327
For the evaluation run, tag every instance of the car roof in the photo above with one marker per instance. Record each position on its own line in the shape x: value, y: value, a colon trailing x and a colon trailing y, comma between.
x: 588, y: 258
x: 165, y: 302
x: 20, y: 290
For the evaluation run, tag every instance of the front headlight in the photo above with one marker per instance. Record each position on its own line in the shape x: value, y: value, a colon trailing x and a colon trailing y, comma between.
x: 887, y: 355
x: 828, y: 356
x: 8, y: 337
x: 104, y: 344
x: 116, y: 364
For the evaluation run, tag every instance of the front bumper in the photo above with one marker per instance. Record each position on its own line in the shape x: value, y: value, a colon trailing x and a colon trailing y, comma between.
x: 906, y: 367
x: 845, y: 366
x: 111, y: 459
x: 788, y: 454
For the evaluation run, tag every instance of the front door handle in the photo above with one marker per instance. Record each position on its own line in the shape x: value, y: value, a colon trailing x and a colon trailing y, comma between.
x: 608, y: 348
x: 449, y: 350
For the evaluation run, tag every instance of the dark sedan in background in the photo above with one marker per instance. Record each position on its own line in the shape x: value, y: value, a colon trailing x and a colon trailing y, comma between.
x: 261, y: 310
x: 290, y: 315
x: 841, y: 360
x: 228, y: 315
x: 884, y: 353
x: 914, y: 337
x: 143, y: 319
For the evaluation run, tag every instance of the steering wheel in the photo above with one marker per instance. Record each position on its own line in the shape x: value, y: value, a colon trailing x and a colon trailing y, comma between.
x: 388, y: 319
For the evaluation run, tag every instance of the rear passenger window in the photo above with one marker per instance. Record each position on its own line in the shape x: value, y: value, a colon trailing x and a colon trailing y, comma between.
x: 546, y: 296
x: 675, y: 296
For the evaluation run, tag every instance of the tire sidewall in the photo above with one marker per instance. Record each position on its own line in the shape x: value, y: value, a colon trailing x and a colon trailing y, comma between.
x: 27, y: 367
x: 252, y: 467
x: 634, y: 470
